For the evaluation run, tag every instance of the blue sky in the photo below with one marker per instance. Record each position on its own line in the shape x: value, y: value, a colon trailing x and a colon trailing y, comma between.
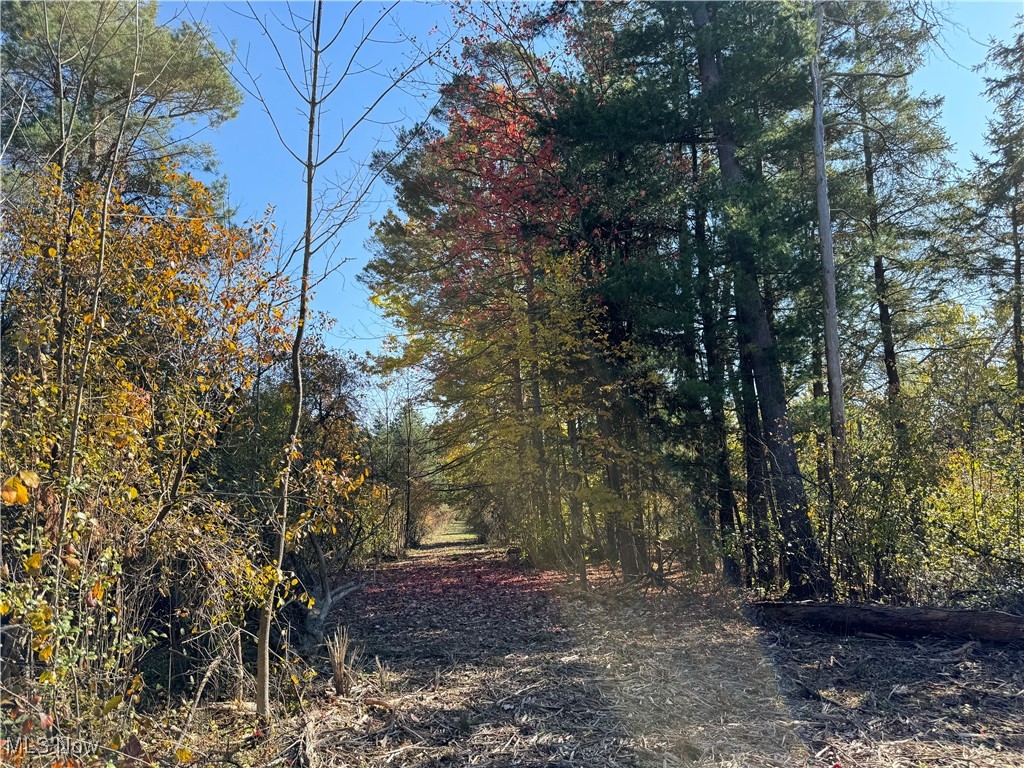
x: 261, y: 173
x: 949, y: 73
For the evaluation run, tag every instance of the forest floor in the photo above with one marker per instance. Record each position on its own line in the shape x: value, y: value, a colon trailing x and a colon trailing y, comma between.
x: 472, y: 660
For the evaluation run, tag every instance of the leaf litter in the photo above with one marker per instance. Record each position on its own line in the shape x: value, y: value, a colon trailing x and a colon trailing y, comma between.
x: 472, y: 660
x: 868, y: 701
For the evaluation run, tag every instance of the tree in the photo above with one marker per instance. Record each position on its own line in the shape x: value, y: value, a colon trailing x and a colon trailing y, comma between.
x: 804, y: 564
x: 401, y: 460
x: 315, y: 87
x: 606, y: 259
x: 487, y: 362
x: 1002, y: 194
x: 833, y: 361
x: 173, y: 341
x: 67, y: 73
x: 887, y: 149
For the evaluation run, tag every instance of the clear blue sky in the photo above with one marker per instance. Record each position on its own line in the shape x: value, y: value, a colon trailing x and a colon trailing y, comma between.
x: 261, y: 173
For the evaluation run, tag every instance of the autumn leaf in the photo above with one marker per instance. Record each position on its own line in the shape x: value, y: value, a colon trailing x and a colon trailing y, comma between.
x: 95, y: 594
x: 34, y: 564
x: 133, y: 747
x: 69, y: 558
x: 112, y: 703
x: 14, y: 491
x: 29, y: 478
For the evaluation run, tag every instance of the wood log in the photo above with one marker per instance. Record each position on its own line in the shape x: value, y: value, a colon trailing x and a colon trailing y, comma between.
x: 899, y: 621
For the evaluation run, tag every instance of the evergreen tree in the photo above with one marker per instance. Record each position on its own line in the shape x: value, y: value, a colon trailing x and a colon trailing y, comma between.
x: 1002, y: 195
x: 68, y: 74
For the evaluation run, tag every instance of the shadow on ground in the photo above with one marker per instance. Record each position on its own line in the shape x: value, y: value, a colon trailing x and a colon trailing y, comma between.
x: 870, y: 701
x: 487, y: 671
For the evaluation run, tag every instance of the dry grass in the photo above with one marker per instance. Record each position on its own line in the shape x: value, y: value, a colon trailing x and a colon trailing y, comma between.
x: 345, y: 658
x: 687, y: 674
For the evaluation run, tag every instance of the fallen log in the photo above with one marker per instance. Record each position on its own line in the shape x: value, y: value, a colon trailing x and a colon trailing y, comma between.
x: 898, y: 621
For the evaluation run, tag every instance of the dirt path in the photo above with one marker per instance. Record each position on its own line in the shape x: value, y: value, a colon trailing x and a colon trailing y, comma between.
x: 472, y: 660
x: 876, y: 702
x: 488, y: 664
x: 481, y: 669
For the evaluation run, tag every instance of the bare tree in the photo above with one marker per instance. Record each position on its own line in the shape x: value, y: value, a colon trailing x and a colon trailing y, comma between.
x: 328, y: 207
x: 833, y: 362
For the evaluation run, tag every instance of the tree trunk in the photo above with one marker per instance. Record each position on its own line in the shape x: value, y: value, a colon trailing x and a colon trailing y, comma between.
x: 619, y: 528
x: 727, y: 508
x: 803, y: 558
x: 575, y: 473
x: 410, y: 534
x: 893, y: 386
x: 892, y: 375
x: 1018, y: 302
x: 267, y: 610
x: 525, y: 470
x: 728, y: 513
x: 900, y: 621
x: 833, y: 363
x: 755, y: 464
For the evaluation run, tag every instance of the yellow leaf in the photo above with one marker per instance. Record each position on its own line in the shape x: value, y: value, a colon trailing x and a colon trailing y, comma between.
x: 184, y: 755
x: 34, y: 564
x: 29, y: 478
x: 133, y: 493
x: 136, y: 684
x: 45, y: 653
x: 14, y: 491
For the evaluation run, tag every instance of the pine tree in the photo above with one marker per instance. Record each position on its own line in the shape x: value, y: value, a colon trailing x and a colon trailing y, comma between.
x: 1002, y: 194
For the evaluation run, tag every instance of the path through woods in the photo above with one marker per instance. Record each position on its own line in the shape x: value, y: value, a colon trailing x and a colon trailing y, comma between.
x: 488, y: 664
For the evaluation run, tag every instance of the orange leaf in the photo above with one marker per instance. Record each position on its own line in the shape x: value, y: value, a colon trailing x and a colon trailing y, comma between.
x: 97, y: 591
x: 14, y: 491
